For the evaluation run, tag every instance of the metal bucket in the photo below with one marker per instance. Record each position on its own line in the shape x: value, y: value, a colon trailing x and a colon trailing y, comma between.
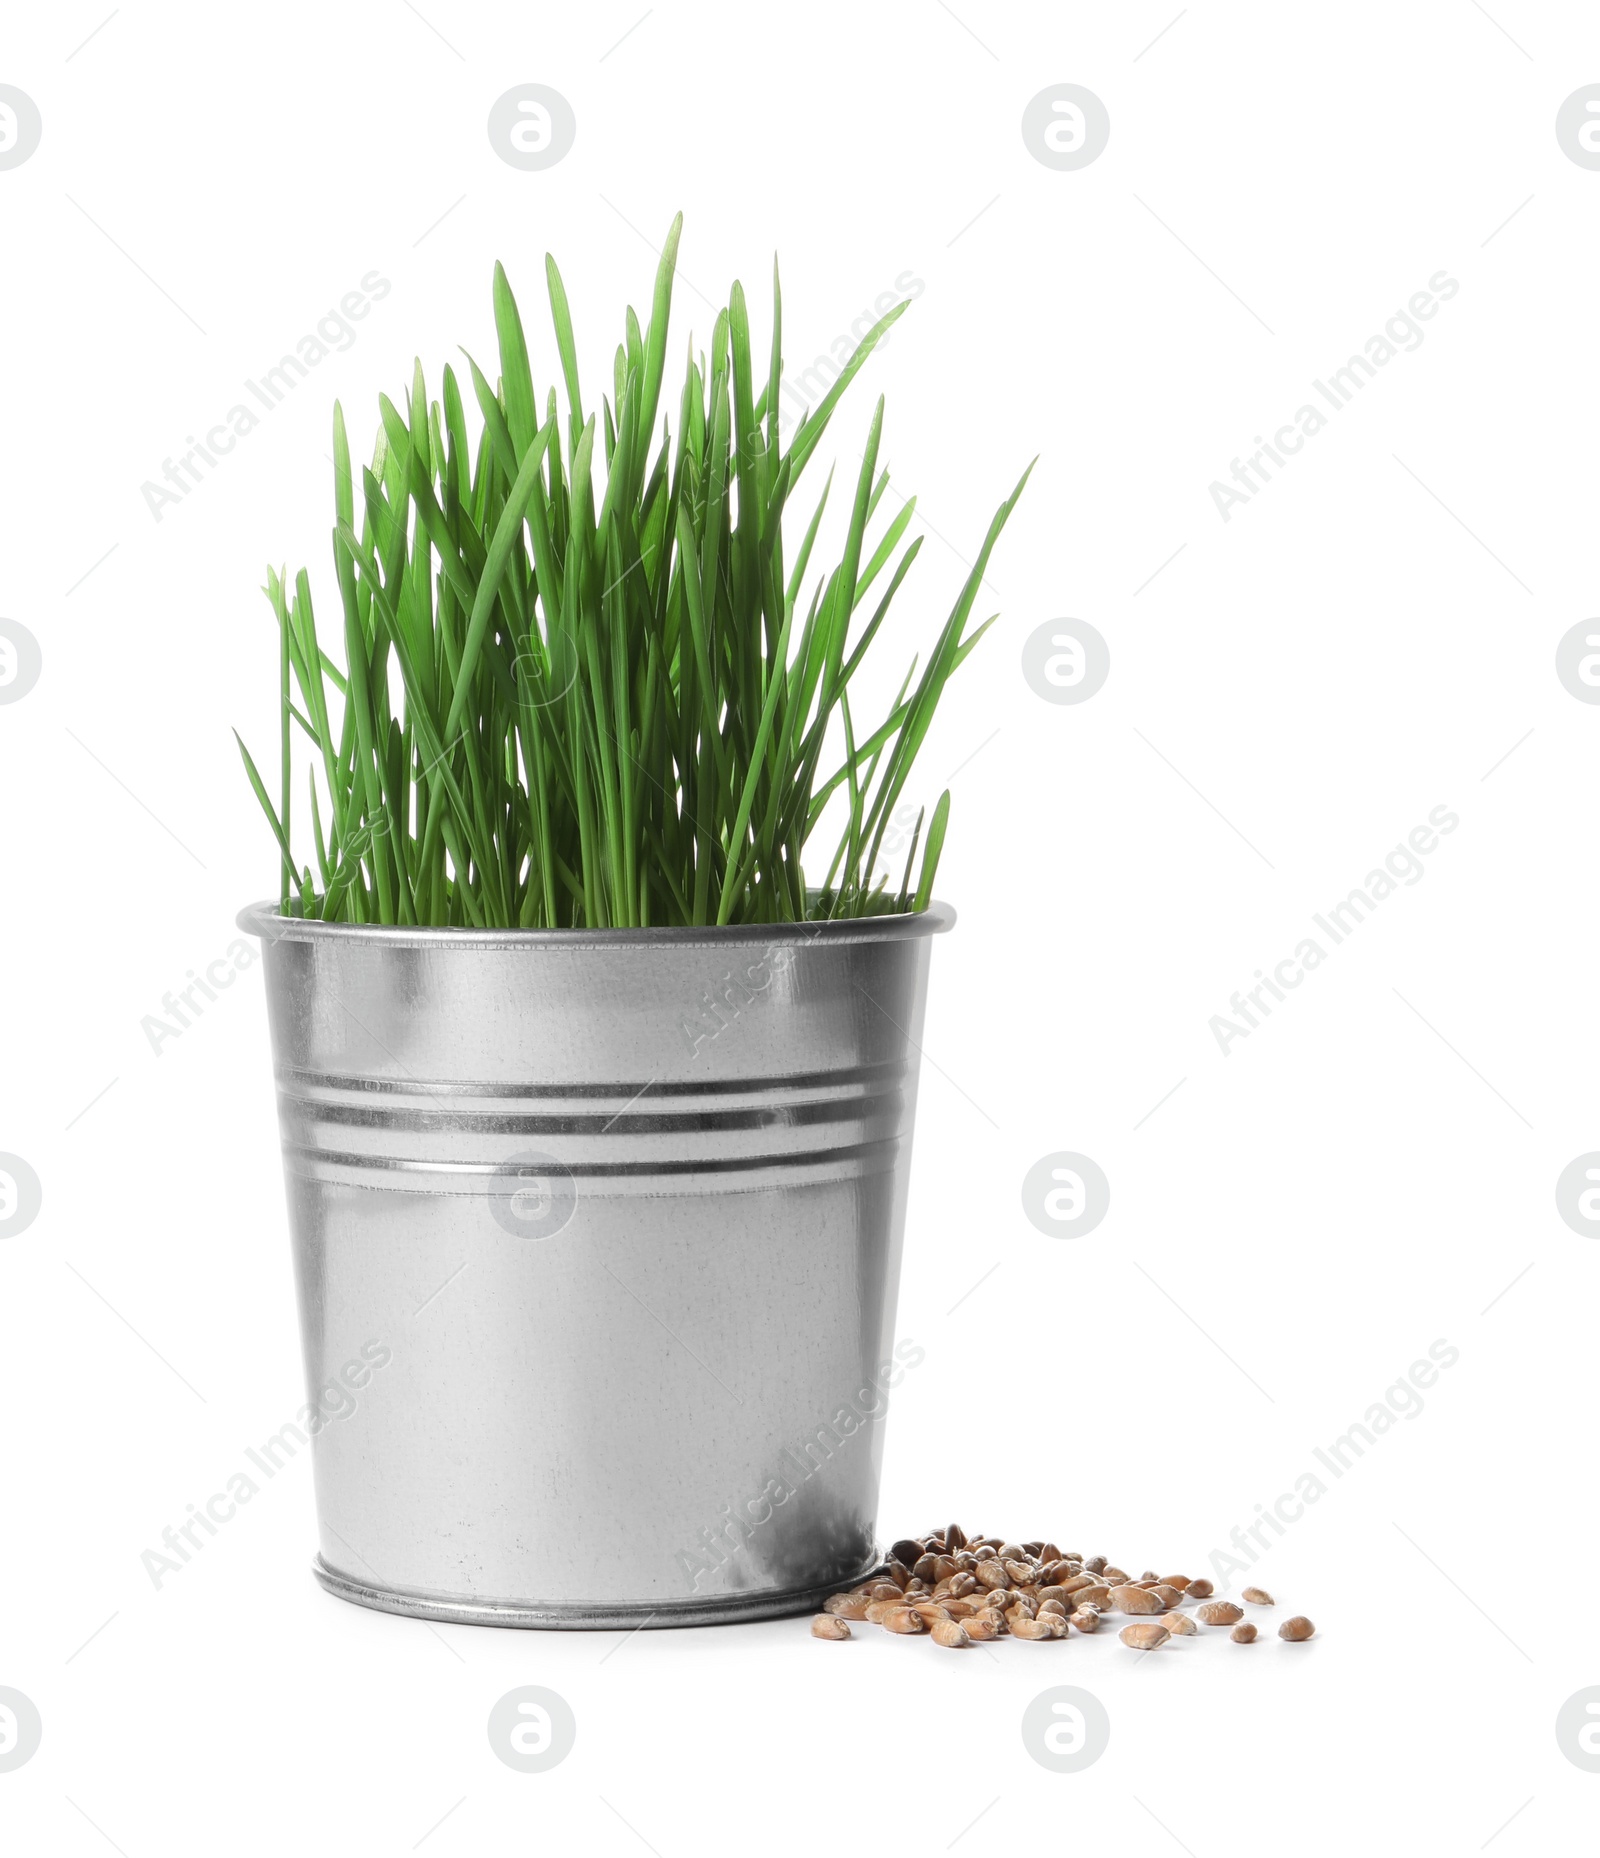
x: 597, y: 1241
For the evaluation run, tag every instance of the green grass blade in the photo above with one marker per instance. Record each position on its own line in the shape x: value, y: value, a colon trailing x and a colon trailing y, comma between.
x: 930, y: 858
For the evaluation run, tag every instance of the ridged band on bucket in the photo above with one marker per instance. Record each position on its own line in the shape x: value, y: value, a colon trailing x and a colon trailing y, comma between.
x: 644, y: 1136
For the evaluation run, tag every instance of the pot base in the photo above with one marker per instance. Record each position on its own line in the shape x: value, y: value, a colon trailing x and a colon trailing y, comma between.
x: 726, y: 1610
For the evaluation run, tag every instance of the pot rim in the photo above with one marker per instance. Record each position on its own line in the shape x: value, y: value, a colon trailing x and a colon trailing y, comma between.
x: 263, y: 919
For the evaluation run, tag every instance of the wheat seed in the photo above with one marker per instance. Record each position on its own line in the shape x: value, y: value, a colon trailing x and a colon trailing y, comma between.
x: 1144, y: 1637
x: 962, y: 1590
x: 1219, y: 1613
x: 1130, y: 1599
x: 903, y: 1619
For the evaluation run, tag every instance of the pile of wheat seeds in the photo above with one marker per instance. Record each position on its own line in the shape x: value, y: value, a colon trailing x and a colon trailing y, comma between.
x: 964, y: 1590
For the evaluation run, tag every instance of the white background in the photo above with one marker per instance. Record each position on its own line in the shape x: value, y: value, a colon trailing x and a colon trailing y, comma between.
x: 1372, y: 636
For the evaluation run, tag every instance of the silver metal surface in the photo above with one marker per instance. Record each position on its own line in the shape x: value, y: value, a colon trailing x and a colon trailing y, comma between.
x: 597, y: 1240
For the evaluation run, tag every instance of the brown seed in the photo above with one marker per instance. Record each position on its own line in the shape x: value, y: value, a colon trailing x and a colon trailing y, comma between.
x: 1219, y: 1613
x: 829, y: 1626
x: 967, y: 1589
x: 1130, y: 1599
x: 1144, y: 1637
x: 1035, y: 1628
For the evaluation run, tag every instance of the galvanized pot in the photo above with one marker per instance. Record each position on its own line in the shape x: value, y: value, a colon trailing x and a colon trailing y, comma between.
x: 597, y: 1239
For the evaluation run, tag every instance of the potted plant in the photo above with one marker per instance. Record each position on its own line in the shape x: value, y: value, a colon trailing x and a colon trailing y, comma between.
x: 596, y: 1113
